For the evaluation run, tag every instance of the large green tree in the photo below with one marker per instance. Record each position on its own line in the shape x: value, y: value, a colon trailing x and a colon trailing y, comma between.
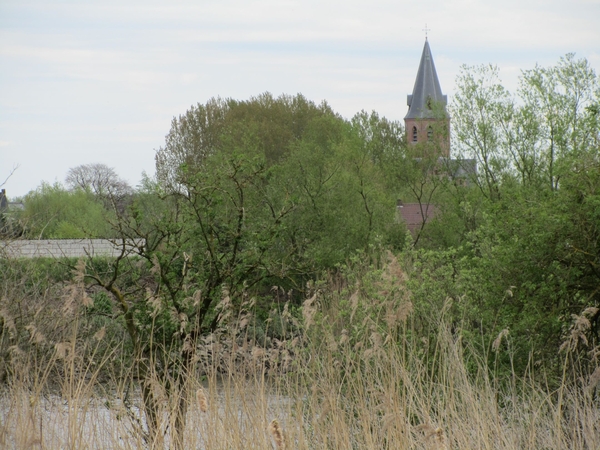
x: 527, y: 259
x: 248, y: 195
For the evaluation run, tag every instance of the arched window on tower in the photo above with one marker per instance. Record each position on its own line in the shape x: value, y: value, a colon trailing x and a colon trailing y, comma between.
x: 429, y: 133
x: 414, y: 134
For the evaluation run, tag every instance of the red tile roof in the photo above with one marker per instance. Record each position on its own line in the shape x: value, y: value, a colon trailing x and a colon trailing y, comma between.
x: 414, y: 214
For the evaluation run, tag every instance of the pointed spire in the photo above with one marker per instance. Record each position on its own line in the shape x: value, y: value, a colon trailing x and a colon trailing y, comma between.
x: 427, y: 90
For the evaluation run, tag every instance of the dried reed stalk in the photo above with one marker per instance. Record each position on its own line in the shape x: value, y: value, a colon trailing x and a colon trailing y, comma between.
x: 277, y: 433
x: 201, y: 399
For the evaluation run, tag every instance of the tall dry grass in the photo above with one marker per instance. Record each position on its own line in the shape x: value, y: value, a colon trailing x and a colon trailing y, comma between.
x: 356, y: 372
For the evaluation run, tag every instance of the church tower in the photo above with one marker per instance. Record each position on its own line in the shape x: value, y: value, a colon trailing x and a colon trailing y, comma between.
x: 427, y: 121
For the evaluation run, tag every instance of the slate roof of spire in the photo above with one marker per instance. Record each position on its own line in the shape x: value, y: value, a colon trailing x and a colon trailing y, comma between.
x: 427, y: 86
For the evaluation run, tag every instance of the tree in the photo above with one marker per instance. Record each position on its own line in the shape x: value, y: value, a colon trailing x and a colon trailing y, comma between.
x: 530, y: 261
x: 192, y: 138
x: 479, y: 112
x: 550, y: 121
x: 383, y: 140
x: 563, y: 97
x: 248, y: 195
x: 272, y: 124
x: 99, y: 179
x: 52, y: 212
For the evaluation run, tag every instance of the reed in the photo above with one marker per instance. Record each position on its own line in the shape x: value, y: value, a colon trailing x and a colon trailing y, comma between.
x: 357, y: 373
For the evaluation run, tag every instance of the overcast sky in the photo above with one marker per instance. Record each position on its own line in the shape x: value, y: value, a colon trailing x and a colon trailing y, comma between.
x: 99, y: 81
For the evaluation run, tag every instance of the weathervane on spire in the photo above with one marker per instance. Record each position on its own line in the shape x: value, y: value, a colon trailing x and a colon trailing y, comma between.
x: 426, y: 30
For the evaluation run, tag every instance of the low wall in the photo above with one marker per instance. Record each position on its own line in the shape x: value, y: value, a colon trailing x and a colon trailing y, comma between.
x: 65, y: 248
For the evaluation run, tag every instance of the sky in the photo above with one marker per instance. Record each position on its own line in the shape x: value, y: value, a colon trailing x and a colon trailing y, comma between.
x: 87, y: 81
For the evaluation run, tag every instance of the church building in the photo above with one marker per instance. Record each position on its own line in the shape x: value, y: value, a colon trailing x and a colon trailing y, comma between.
x: 427, y: 119
x: 427, y: 127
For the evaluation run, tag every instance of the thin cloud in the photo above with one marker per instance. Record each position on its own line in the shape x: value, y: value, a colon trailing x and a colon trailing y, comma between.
x: 90, y: 79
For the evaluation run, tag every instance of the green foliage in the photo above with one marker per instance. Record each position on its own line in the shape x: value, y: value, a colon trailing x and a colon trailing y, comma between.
x: 524, y: 252
x: 52, y: 212
x: 533, y: 138
x: 264, y: 124
x: 381, y: 139
x: 248, y: 195
x: 43, y: 305
x: 304, y: 177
